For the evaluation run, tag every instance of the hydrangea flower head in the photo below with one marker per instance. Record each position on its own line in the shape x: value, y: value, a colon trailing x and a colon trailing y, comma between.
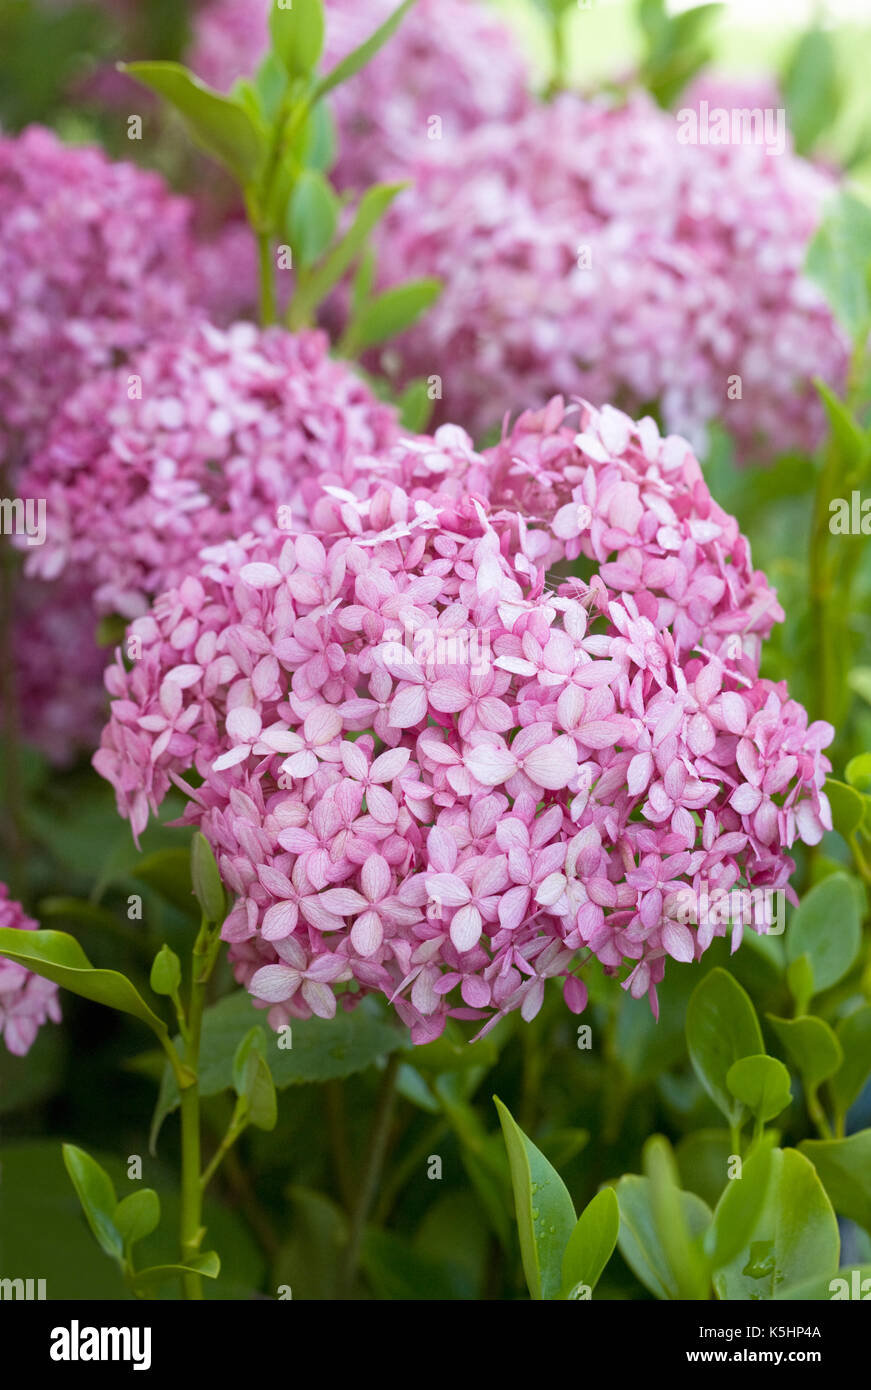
x: 492, y: 717
x: 585, y: 250
x: 27, y: 1001
x: 200, y: 438
x: 95, y: 260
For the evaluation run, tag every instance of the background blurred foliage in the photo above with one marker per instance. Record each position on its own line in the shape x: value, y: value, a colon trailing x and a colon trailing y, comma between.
x: 286, y: 1201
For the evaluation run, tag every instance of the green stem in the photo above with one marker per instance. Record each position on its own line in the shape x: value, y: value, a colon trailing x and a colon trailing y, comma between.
x: 372, y: 1170
x: 268, y: 312
x: 559, y: 53
x: 817, y: 1114
x: 234, y: 1129
x: 203, y: 960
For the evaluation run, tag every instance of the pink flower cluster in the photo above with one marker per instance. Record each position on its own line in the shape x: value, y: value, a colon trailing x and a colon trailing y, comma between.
x: 95, y: 260
x: 197, y: 439
x: 583, y: 249
x: 449, y: 58
x: 484, y: 722
x: 27, y: 1001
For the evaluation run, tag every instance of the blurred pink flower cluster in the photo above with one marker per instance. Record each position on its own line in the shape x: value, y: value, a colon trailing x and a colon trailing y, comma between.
x: 200, y: 438
x: 27, y: 1001
x: 583, y: 249
x: 450, y: 59
x: 484, y: 721
x: 96, y: 260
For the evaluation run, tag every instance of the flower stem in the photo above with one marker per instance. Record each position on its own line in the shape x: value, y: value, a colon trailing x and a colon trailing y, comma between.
x: 372, y: 1171
x: 192, y: 1231
x: 267, y: 279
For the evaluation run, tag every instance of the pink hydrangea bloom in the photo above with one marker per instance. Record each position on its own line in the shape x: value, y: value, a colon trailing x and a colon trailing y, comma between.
x: 583, y: 249
x: 493, y: 716
x: 27, y: 1001
x: 58, y: 668
x: 95, y: 260
x: 450, y: 59
x: 198, y: 439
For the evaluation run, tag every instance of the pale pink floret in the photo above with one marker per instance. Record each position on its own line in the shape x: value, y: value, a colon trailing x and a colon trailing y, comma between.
x: 27, y: 1001
x: 481, y: 727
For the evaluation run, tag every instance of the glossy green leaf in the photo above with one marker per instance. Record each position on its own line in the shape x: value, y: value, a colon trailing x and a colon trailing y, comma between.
x: 739, y: 1208
x: 679, y: 1244
x: 827, y: 928
x: 59, y: 957
x: 207, y: 1264
x: 849, y: 1282
x: 795, y: 1237
x: 858, y: 772
x: 347, y: 250
x: 854, y: 1035
x: 221, y: 126
x: 591, y: 1243
x: 762, y: 1084
x: 639, y: 1239
x: 545, y: 1214
x: 312, y: 215
x: 838, y: 259
x: 810, y: 1045
x: 137, y: 1215
x: 359, y: 57
x: 394, y: 310
x: 96, y: 1193
x: 844, y: 1166
x: 297, y: 31
x: 206, y: 880
x: 848, y: 806
x: 721, y: 1027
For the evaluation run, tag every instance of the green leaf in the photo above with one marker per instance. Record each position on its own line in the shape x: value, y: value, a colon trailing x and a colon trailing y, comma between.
x: 795, y: 1237
x: 721, y: 1028
x: 800, y: 979
x: 854, y: 1036
x: 848, y: 806
x: 838, y: 259
x: 844, y: 1167
x: 762, y: 1084
x: 207, y: 1264
x: 206, y: 880
x: 740, y: 1207
x: 166, y: 972
x: 312, y: 214
x: 639, y: 1240
x: 858, y: 772
x: 591, y: 1243
x: 828, y: 929
x: 852, y: 442
x: 810, y: 88
x: 415, y: 406
x: 679, y: 1245
x: 97, y: 1195
x: 322, y: 1049
x: 393, y: 311
x: 850, y: 1282
x: 252, y: 1080
x: 545, y: 1214
x: 359, y: 57
x: 223, y: 127
x: 811, y: 1046
x: 318, y: 283
x: 297, y: 31
x: 137, y: 1215
x: 59, y: 957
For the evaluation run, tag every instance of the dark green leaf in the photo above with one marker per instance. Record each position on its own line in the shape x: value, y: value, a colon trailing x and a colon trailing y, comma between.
x: 844, y: 1167
x: 545, y: 1214
x: 221, y: 126
x: 206, y: 880
x: 854, y: 1035
x: 168, y: 872
x: 591, y: 1243
x: 721, y: 1028
x: 810, y: 1045
x: 827, y: 928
